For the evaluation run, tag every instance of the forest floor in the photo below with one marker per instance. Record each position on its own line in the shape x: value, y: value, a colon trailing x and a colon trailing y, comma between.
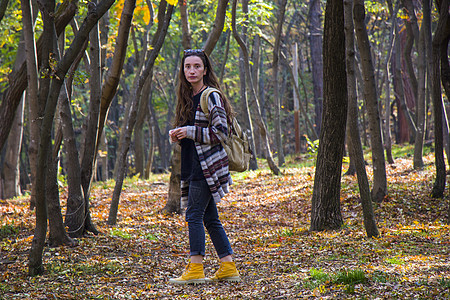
x: 267, y: 219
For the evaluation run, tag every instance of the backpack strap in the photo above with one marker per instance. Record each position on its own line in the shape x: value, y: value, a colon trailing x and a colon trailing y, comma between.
x: 204, y: 100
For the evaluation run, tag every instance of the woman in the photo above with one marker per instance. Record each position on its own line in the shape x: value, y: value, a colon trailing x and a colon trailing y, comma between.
x: 204, y: 166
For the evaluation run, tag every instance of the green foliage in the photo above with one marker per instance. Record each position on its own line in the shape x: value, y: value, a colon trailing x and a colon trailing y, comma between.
x: 110, y: 267
x: 318, y: 275
x: 395, y: 261
x: 151, y: 237
x: 312, y: 146
x: 8, y: 230
x: 120, y: 233
x: 351, y: 277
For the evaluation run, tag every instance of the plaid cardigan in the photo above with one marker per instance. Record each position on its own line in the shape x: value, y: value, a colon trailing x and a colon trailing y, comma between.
x: 212, y: 156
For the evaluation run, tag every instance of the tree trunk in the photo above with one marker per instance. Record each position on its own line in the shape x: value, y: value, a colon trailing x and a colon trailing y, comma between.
x: 89, y: 155
x: 57, y: 233
x: 315, y: 41
x: 258, y: 117
x: 3, y: 7
x: 139, y: 146
x: 217, y: 29
x: 18, y: 79
x: 76, y: 210
x: 157, y: 42
x: 11, y: 168
x: 438, y: 38
x: 112, y: 77
x: 60, y: 71
x: 355, y: 147
x: 276, y: 54
x: 37, y: 246
x: 370, y: 96
x: 325, y: 209
x: 246, y: 114
x: 174, y: 195
x: 421, y: 112
x: 28, y: 18
x: 186, y: 32
x: 387, y: 79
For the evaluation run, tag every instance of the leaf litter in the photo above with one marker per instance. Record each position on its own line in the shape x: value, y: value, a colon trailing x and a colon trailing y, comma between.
x: 267, y: 220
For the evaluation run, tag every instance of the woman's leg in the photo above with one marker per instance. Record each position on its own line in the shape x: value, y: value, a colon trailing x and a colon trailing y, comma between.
x: 216, y: 232
x: 198, y: 200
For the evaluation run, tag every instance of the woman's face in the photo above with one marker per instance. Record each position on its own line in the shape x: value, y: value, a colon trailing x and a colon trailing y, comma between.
x: 194, y: 70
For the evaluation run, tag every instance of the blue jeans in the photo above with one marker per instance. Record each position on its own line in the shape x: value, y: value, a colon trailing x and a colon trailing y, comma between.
x: 202, y: 209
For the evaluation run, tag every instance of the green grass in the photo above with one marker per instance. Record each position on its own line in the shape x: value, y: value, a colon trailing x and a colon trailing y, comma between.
x: 351, y: 277
x: 120, y: 233
x: 8, y: 230
x: 395, y: 261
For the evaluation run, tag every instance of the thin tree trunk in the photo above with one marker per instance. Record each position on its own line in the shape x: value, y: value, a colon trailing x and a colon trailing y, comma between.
x: 217, y: 29
x: 35, y: 256
x: 112, y: 77
x: 420, y: 114
x: 3, y: 7
x: 136, y: 96
x: 11, y: 171
x: 325, y: 206
x: 387, y: 79
x: 18, y: 79
x: 28, y: 18
x: 439, y: 183
x: 76, y: 209
x: 253, y: 165
x: 174, y: 195
x: 355, y: 147
x: 186, y: 35
x: 370, y: 95
x: 89, y: 155
x: 315, y: 31
x: 258, y: 117
x: 139, y: 147
x: 276, y: 54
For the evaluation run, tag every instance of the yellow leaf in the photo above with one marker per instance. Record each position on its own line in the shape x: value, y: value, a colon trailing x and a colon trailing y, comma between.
x: 172, y: 2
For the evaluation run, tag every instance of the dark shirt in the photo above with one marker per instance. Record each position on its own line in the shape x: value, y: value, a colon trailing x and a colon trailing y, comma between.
x: 191, y: 169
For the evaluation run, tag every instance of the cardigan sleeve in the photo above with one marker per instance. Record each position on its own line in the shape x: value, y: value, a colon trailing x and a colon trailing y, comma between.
x: 218, y: 127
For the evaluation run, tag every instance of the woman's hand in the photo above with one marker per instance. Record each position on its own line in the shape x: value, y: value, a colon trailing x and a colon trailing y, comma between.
x: 178, y: 134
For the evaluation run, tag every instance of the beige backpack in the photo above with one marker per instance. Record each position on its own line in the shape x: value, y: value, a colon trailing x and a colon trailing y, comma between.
x: 236, y: 145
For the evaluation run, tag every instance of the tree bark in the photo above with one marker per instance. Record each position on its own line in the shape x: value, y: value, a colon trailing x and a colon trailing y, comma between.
x: 276, y: 54
x: 35, y: 255
x: 158, y: 40
x: 89, y: 155
x: 3, y: 7
x: 11, y: 171
x: 76, y: 209
x: 113, y: 74
x: 139, y: 147
x: 371, y: 98
x: 186, y: 32
x: 315, y: 40
x: 217, y: 29
x: 438, y: 38
x: 325, y: 209
x: 18, y: 79
x: 258, y: 117
x: 28, y: 18
x: 174, y: 195
x: 421, y: 86
x: 387, y: 79
x: 354, y: 140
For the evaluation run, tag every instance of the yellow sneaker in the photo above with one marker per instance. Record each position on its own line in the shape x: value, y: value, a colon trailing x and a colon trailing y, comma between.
x: 227, y: 272
x: 193, y: 274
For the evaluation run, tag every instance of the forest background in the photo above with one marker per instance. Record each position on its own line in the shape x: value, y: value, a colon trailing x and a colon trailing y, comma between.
x: 100, y: 81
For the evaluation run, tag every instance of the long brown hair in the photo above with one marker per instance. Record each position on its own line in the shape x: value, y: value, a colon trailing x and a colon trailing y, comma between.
x: 184, y: 89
